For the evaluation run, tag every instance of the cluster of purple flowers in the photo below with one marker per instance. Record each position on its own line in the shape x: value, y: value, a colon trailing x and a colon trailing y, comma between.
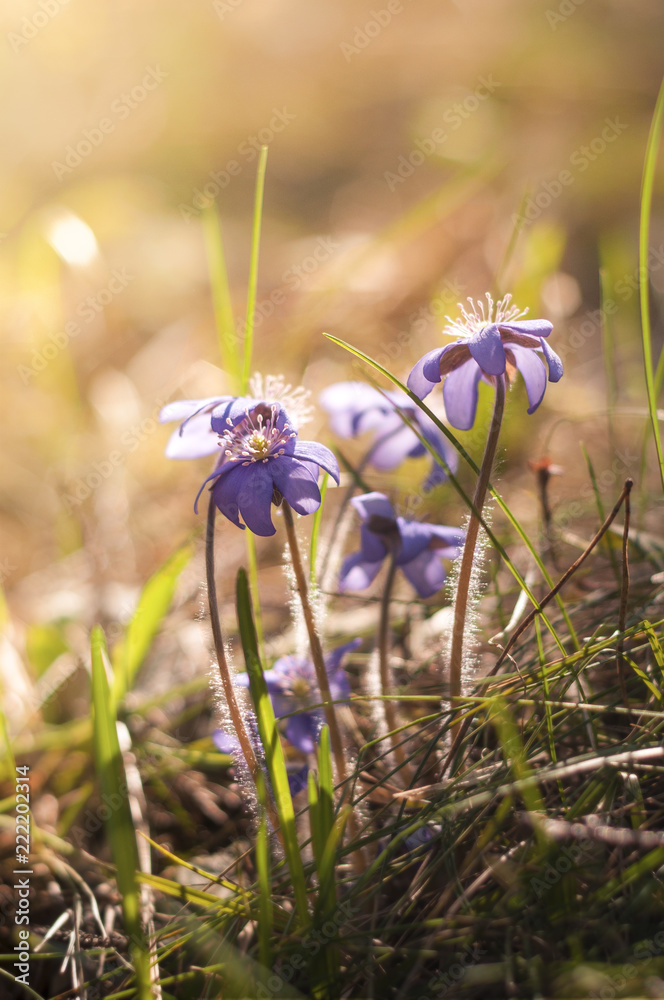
x: 262, y: 461
x: 294, y: 692
x: 261, y: 458
x: 355, y: 408
x: 416, y: 547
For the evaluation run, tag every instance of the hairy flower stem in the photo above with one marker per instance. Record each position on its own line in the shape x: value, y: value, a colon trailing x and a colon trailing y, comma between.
x: 224, y: 672
x: 391, y: 717
x: 466, y: 567
x: 314, y: 642
x: 321, y: 673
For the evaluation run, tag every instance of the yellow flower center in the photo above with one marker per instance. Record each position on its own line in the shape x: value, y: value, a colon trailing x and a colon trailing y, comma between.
x: 300, y: 687
x: 258, y: 444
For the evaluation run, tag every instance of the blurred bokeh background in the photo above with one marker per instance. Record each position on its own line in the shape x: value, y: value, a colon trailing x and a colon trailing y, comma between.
x: 408, y: 141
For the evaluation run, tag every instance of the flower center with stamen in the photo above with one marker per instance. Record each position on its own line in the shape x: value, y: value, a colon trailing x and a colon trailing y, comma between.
x: 263, y: 433
x: 480, y: 314
x: 300, y: 687
x: 259, y: 444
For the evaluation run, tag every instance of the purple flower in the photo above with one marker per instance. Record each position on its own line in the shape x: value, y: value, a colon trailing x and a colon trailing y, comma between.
x: 355, y: 407
x: 492, y: 340
x: 261, y: 459
x: 418, y: 548
x: 292, y: 686
x: 194, y: 438
x: 229, y: 744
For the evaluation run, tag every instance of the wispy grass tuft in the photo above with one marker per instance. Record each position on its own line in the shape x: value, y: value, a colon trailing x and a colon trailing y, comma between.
x: 253, y: 268
x: 221, y: 298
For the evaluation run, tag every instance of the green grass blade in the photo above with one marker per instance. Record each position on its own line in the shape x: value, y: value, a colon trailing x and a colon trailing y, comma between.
x: 26, y: 990
x: 8, y: 762
x: 153, y: 605
x: 608, y: 341
x: 315, y: 531
x: 647, y: 185
x: 326, y: 835
x: 547, y: 694
x: 253, y: 586
x: 326, y: 870
x: 326, y: 968
x: 322, y: 823
x: 317, y: 841
x: 512, y: 748
x: 655, y: 644
x: 198, y: 897
x: 325, y: 782
x: 607, y: 541
x: 517, y: 229
x: 274, y: 754
x: 221, y: 298
x: 640, y: 672
x: 644, y: 866
x: 8, y: 757
x: 119, y: 824
x: 265, y: 914
x: 229, y: 344
x: 658, y: 654
x: 253, y: 268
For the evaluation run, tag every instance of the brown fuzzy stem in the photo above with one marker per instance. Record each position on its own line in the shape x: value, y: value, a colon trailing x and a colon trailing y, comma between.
x: 359, y: 862
x: 391, y: 716
x: 224, y: 672
x: 314, y: 643
x: 466, y: 567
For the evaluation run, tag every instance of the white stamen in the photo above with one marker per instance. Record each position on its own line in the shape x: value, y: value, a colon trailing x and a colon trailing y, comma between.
x: 480, y: 314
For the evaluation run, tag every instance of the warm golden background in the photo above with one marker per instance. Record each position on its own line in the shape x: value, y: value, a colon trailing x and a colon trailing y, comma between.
x: 119, y: 117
